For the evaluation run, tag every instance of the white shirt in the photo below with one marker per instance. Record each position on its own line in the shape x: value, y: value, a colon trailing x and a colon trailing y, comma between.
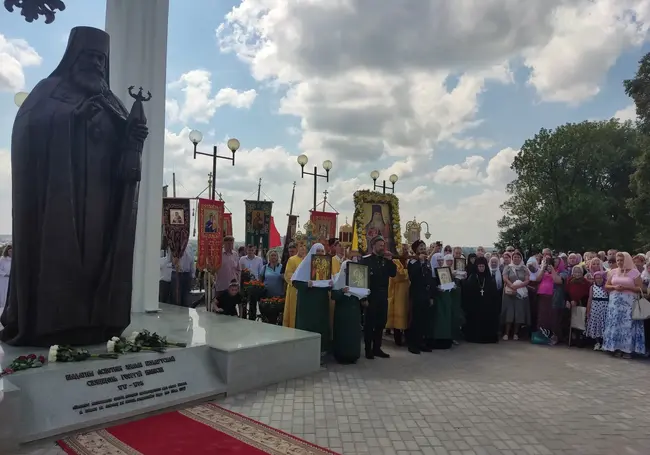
x: 255, y: 265
x: 186, y: 263
x: 165, y: 270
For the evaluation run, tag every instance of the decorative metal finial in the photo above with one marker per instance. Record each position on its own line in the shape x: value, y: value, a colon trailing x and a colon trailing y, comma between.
x: 31, y: 10
x: 138, y: 96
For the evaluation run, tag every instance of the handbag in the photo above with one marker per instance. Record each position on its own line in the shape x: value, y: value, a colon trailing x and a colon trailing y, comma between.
x: 578, y: 318
x: 641, y: 309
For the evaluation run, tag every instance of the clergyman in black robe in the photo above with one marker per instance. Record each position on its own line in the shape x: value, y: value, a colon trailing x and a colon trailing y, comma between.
x: 481, y: 301
x: 74, y: 204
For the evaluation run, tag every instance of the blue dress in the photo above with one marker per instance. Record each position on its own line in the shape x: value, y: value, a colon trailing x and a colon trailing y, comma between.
x: 273, y: 281
x: 622, y: 333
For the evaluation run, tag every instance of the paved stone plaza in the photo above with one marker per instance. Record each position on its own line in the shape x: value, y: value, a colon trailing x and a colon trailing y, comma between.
x: 510, y: 399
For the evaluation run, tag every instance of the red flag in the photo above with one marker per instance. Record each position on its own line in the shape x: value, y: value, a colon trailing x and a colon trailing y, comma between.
x: 274, y: 236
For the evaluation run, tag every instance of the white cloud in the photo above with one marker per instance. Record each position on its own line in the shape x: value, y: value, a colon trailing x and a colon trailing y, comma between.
x: 386, y: 84
x: 587, y: 39
x: 15, y: 56
x: 198, y: 104
x: 627, y: 113
x: 497, y: 172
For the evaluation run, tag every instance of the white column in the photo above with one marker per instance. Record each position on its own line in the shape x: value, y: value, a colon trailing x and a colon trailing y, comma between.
x: 138, y: 31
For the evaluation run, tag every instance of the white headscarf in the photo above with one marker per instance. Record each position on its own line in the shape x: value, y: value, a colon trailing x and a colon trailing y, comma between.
x: 448, y: 257
x: 434, y: 260
x: 303, y: 272
x: 497, y: 273
x: 340, y: 278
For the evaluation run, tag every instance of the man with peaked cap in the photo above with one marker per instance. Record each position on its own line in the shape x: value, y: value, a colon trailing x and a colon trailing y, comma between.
x: 380, y: 268
x: 74, y: 204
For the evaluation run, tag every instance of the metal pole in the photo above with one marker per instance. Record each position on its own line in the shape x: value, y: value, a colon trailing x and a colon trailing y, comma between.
x: 315, y: 185
x: 174, y: 183
x: 384, y: 187
x: 214, y: 173
x: 259, y: 189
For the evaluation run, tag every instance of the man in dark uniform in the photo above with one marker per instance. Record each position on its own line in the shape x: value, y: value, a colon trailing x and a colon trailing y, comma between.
x: 421, y: 291
x: 380, y: 268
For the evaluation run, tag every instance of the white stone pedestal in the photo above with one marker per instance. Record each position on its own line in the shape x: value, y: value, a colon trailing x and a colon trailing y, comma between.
x: 138, y: 31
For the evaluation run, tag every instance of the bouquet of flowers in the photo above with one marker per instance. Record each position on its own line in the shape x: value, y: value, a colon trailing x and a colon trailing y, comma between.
x: 253, y: 289
x: 152, y: 341
x: 271, y: 309
x: 246, y: 276
x: 24, y: 362
x: 68, y: 354
x: 121, y: 345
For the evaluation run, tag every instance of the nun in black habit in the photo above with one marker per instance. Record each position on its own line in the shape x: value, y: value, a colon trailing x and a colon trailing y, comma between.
x: 481, y: 301
x: 74, y: 204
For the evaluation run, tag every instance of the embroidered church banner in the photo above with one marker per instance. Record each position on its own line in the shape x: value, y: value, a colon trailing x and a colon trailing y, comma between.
x: 227, y: 224
x: 258, y: 223
x: 210, y: 238
x: 323, y: 224
x: 176, y: 221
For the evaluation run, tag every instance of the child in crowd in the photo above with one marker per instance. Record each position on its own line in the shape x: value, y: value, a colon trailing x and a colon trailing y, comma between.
x: 228, y: 302
x: 597, y: 309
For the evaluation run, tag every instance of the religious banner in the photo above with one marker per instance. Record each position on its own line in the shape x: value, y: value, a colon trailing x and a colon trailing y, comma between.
x: 323, y: 224
x: 376, y: 214
x: 292, y: 227
x: 211, y: 234
x: 176, y: 221
x: 258, y: 223
x: 227, y: 224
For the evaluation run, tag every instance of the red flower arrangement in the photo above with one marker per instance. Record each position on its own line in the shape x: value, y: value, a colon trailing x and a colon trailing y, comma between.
x: 24, y: 362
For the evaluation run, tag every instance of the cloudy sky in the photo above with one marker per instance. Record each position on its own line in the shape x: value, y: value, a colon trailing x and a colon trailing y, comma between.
x: 440, y: 92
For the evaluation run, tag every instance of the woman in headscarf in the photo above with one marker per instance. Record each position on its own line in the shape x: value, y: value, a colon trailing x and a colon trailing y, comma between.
x: 576, y: 294
x: 548, y: 310
x: 313, y: 303
x: 291, y: 298
x: 471, y: 260
x: 535, y: 275
x: 346, y: 339
x: 457, y: 297
x: 398, y: 298
x: 482, y: 303
x: 515, y: 309
x: 623, y: 336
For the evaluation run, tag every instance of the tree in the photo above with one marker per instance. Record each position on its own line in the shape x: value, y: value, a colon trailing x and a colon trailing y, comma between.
x: 570, y: 187
x: 638, y: 89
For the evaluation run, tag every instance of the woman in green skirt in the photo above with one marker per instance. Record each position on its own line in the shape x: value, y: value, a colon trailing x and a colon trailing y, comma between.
x: 347, y: 318
x: 313, y: 300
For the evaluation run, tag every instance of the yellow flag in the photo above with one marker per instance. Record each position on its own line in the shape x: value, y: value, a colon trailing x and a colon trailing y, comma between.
x: 355, y: 239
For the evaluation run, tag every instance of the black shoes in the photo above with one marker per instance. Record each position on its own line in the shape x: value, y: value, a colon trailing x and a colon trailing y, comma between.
x: 381, y: 354
x: 414, y: 350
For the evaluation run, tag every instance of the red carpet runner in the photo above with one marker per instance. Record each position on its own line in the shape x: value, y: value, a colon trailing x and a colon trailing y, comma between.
x: 204, y: 429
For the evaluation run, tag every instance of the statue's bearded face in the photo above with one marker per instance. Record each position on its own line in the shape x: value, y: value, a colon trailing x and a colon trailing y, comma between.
x: 89, y: 72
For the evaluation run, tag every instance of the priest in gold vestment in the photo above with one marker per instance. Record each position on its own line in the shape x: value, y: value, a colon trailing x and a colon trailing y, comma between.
x: 291, y: 297
x: 398, y: 299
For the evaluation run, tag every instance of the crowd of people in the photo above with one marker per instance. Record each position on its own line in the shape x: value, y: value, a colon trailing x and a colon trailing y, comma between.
x: 582, y: 300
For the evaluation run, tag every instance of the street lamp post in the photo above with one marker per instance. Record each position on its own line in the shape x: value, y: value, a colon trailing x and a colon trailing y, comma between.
x: 233, y: 144
x: 327, y: 165
x: 415, y: 226
x: 374, y: 175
